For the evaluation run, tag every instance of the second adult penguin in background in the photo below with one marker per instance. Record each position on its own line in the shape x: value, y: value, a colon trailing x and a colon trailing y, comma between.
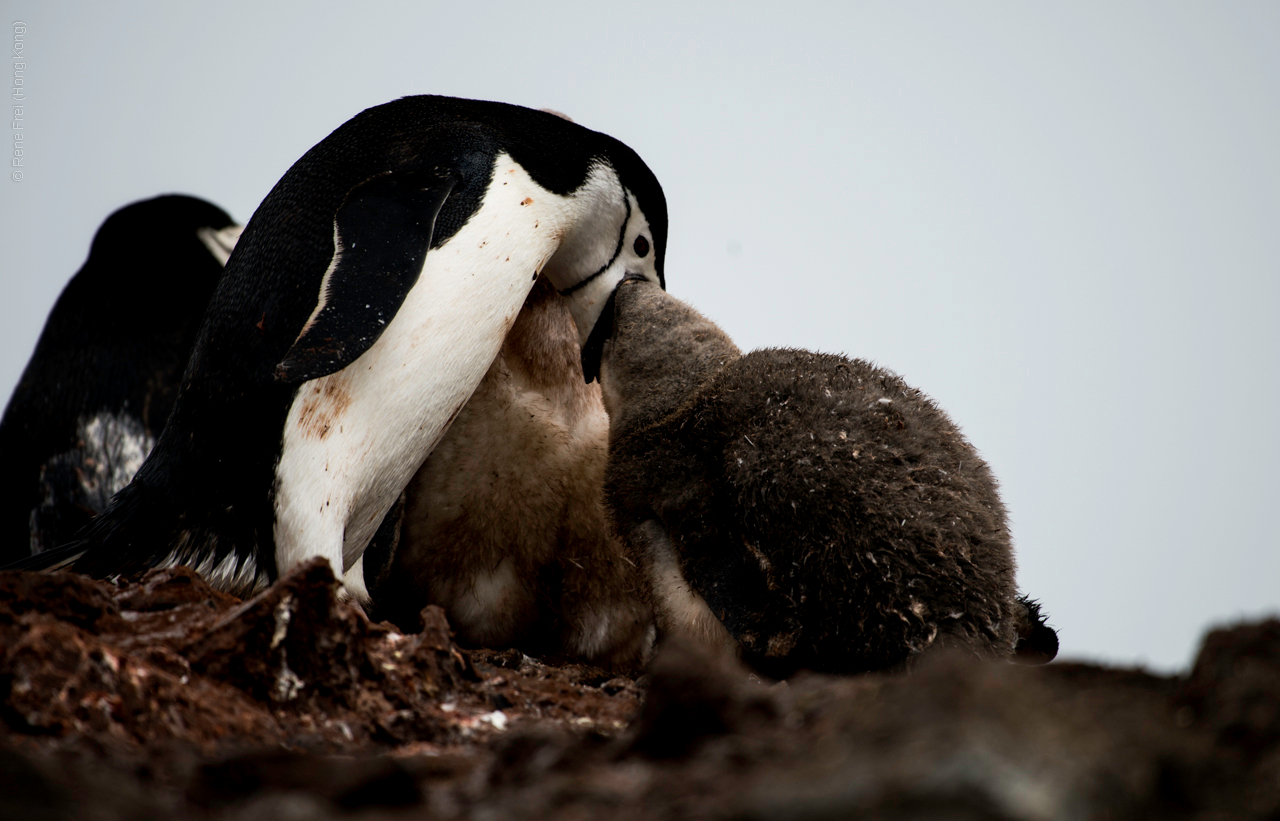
x: 105, y: 371
x: 811, y: 510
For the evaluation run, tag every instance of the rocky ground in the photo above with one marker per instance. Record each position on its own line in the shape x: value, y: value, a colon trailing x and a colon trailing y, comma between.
x: 165, y: 699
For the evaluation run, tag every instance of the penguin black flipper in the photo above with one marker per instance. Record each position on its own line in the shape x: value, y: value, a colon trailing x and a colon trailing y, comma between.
x: 381, y: 236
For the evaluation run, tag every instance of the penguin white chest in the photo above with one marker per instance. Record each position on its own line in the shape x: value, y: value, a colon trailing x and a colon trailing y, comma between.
x: 353, y: 439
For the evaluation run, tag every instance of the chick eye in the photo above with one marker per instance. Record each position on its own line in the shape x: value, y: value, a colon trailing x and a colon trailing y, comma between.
x: 641, y: 246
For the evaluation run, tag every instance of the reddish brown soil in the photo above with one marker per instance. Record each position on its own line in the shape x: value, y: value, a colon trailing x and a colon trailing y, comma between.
x: 165, y: 699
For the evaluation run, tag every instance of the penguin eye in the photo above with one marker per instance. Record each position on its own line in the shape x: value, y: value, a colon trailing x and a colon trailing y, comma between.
x: 641, y: 246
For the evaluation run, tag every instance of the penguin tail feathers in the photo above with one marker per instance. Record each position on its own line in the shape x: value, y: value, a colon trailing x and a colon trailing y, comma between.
x: 139, y: 531
x: 60, y: 558
x: 1037, y: 641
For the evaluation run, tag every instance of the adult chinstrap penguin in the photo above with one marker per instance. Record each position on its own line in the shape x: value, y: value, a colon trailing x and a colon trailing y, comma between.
x: 104, y: 374
x: 364, y: 302
x: 811, y: 510
x: 504, y: 524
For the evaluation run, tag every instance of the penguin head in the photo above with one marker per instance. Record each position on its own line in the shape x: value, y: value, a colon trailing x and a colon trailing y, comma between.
x: 153, y: 265
x: 659, y: 351
x: 403, y: 178
x: 620, y: 231
x: 159, y: 226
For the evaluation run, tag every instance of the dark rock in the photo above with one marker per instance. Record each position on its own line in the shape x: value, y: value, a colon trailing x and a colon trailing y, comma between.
x: 965, y: 739
x: 1234, y: 687
x: 694, y: 696
x: 348, y: 782
x: 27, y: 793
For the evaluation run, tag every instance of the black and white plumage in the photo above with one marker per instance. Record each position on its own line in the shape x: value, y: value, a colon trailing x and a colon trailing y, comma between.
x: 504, y: 524
x: 363, y: 304
x: 104, y: 374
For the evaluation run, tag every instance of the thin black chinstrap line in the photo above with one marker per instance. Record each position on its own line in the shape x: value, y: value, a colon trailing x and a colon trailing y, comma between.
x: 622, y: 236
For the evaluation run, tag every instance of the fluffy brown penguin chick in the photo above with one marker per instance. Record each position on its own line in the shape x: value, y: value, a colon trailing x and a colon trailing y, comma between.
x: 504, y: 524
x: 814, y: 510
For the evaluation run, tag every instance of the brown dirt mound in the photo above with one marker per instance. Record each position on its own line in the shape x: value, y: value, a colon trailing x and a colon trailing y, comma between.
x: 164, y: 699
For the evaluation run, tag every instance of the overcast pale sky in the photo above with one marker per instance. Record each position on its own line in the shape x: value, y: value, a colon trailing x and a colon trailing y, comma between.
x: 1062, y: 221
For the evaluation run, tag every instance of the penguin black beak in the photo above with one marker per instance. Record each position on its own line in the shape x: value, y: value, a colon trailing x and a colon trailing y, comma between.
x: 593, y: 350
